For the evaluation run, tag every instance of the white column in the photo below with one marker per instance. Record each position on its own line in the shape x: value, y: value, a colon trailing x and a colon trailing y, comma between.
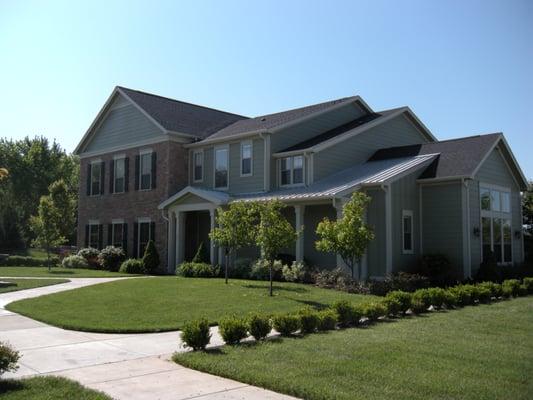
x: 212, y: 213
x: 171, y: 247
x: 180, y: 236
x: 299, y: 213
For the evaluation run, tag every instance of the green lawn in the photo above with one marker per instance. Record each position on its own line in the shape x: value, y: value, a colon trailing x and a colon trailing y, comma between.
x: 166, y: 303
x: 57, y: 272
x: 21, y: 284
x: 482, y: 352
x: 46, y: 388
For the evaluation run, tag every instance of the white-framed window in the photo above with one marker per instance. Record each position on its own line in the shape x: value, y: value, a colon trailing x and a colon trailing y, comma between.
x: 96, y: 177
x: 221, y: 167
x: 144, y: 235
x: 496, y: 226
x: 145, y: 170
x: 119, y: 174
x: 246, y: 158
x: 292, y: 171
x: 94, y: 234
x: 117, y: 233
x: 198, y: 165
x: 407, y: 232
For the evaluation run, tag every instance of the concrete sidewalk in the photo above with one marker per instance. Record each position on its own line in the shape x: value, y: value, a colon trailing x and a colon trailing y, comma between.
x: 125, y: 366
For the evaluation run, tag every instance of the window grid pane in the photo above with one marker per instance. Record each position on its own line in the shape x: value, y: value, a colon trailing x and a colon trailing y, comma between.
x: 221, y: 168
x: 119, y: 172
x: 198, y: 166
x: 297, y: 175
x: 118, y: 230
x: 146, y: 171
x: 95, y: 178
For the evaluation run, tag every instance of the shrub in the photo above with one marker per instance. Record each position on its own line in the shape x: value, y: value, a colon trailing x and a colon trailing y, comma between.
x: 259, y: 326
x: 347, y: 314
x: 308, y: 320
x: 74, y: 262
x: 233, y: 329
x: 403, y: 281
x: 8, y: 358
x: 327, y: 320
x: 111, y: 257
x: 240, y: 269
x: 393, y: 305
x: 483, y: 294
x: 418, y: 306
x: 403, y: 298
x: 261, y: 272
x: 422, y: 296
x: 132, y: 266
x: 472, y: 291
x: 286, y: 324
x: 196, y: 334
x: 374, y: 310
x: 151, y: 258
x: 27, y: 261
x: 513, y: 284
x: 523, y: 290
x: 451, y: 299
x: 507, y: 291
x: 197, y: 270
x: 437, y: 296
x: 463, y: 294
x: 91, y: 255
x: 528, y: 283
x: 294, y: 273
x: 339, y: 280
x: 494, y: 288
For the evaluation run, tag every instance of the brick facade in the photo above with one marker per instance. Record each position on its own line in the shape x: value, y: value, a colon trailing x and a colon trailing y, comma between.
x: 171, y: 176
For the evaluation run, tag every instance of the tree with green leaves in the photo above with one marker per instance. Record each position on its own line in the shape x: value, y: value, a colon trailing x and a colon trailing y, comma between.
x: 234, y: 230
x: 151, y: 259
x: 348, y: 236
x: 65, y: 201
x: 274, y: 232
x: 527, y: 205
x: 46, y: 226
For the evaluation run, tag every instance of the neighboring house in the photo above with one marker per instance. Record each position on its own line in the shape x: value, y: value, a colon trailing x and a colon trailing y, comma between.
x: 174, y: 163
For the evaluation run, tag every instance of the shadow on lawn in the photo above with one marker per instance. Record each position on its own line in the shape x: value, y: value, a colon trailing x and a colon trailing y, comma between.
x: 10, y: 385
x: 61, y: 272
x: 280, y: 288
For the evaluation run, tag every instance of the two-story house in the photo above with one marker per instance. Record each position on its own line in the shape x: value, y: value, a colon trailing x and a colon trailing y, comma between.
x: 457, y: 197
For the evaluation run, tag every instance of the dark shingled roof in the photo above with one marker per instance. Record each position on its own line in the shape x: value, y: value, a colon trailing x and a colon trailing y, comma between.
x: 458, y: 157
x: 270, y: 121
x: 178, y: 116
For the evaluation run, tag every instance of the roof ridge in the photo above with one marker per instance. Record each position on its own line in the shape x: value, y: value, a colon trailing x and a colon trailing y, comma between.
x: 334, y: 101
x: 180, y: 101
x: 467, y: 137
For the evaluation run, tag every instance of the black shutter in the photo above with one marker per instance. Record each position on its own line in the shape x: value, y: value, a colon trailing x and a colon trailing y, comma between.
x: 110, y: 234
x: 125, y: 238
x: 154, y: 169
x: 100, y: 236
x: 111, y: 176
x: 126, y: 174
x: 137, y: 172
x: 152, y: 231
x: 86, y: 235
x: 89, y: 179
x: 135, y: 237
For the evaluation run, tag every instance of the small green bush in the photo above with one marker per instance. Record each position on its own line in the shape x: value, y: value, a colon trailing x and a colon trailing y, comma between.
x: 523, y: 290
x: 259, y: 326
x: 233, y: 329
x: 91, y: 255
x: 418, y: 306
x: 528, y: 283
x: 463, y: 294
x: 197, y: 270
x: 437, y: 297
x: 393, y: 305
x: 374, y: 310
x: 507, y: 291
x: 514, y: 284
x: 260, y: 270
x: 111, y: 257
x: 132, y: 266
x: 423, y: 296
x: 451, y: 299
x: 9, y: 358
x: 151, y: 258
x: 403, y: 298
x: 286, y: 324
x: 308, y: 320
x: 297, y: 272
x: 494, y: 288
x: 327, y: 320
x: 347, y: 314
x: 27, y: 261
x: 74, y: 262
x: 483, y: 294
x: 196, y: 334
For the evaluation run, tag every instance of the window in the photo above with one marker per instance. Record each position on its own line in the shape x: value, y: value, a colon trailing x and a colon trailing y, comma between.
x: 407, y: 227
x: 496, y: 235
x: 292, y: 170
x: 144, y: 236
x: 246, y: 159
x: 119, y: 172
x: 146, y: 171
x: 198, y: 169
x: 96, y: 178
x: 117, y: 234
x: 221, y: 168
x: 94, y: 235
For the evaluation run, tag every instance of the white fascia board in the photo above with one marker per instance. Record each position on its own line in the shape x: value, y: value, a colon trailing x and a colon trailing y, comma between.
x: 132, y: 145
x: 194, y: 191
x: 227, y: 139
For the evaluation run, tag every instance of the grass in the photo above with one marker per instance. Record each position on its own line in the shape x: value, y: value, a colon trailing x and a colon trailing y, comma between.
x: 482, y: 352
x: 46, y: 388
x: 56, y: 272
x: 21, y: 284
x: 166, y: 303
x: 30, y: 252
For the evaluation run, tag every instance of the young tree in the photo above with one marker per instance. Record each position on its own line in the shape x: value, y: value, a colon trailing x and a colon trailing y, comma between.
x: 348, y: 236
x: 274, y: 232
x: 64, y: 201
x: 150, y: 259
x: 46, y: 227
x: 234, y: 230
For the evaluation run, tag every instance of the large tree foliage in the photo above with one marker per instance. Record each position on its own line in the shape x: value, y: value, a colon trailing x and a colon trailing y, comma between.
x: 348, y: 236
x: 33, y: 165
x: 234, y: 230
x: 527, y: 205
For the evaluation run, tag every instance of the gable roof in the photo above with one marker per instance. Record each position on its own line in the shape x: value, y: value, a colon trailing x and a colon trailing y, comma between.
x: 458, y: 158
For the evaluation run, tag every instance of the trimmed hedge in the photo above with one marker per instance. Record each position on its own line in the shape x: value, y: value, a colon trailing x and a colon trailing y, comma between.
x: 286, y: 324
x: 233, y: 329
x: 196, y: 334
x: 259, y: 326
x: 197, y: 270
x: 28, y: 261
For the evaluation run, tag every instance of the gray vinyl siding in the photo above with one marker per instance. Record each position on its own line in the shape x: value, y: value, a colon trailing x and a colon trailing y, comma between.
x: 442, y: 227
x: 315, y: 126
x: 395, y: 132
x: 405, y: 196
x: 312, y: 216
x: 494, y: 171
x: 123, y: 124
x: 376, y: 253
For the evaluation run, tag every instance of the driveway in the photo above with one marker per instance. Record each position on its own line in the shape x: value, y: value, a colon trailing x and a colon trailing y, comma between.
x: 125, y: 366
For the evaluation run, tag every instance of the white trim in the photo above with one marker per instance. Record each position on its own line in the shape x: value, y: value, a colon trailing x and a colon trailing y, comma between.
x: 95, y: 161
x: 194, y: 153
x: 242, y: 145
x: 141, y: 220
x: 291, y: 172
x: 221, y: 147
x: 119, y: 156
x: 193, y: 207
x: 162, y: 139
x: 408, y: 213
x: 93, y: 222
x: 117, y: 221
x: 145, y: 151
x: 197, y: 192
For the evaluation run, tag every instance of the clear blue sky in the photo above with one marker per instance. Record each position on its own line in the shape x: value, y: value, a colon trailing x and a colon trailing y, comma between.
x: 464, y: 67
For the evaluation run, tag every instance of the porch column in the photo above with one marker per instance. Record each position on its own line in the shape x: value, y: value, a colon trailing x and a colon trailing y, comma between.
x: 212, y: 213
x: 171, y: 246
x: 299, y: 213
x: 180, y: 236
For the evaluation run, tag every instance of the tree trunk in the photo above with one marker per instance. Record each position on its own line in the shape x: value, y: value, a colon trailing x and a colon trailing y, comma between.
x: 226, y: 267
x: 270, y: 270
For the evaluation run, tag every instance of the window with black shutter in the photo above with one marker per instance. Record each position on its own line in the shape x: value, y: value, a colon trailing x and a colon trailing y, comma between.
x: 126, y: 174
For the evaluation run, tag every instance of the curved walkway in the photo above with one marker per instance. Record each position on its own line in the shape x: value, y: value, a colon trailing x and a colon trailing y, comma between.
x: 125, y: 366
